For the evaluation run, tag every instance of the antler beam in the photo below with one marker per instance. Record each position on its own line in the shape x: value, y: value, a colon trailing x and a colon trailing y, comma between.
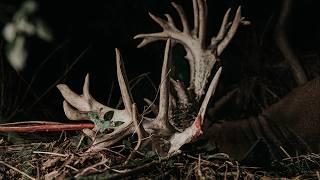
x: 201, y: 57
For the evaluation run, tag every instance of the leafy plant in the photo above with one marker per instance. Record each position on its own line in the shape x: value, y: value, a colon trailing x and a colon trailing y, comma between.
x: 101, y: 125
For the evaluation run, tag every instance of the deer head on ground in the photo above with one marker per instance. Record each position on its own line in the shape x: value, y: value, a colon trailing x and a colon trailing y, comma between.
x: 162, y: 129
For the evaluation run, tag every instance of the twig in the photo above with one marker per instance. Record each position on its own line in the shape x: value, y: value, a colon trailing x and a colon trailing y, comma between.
x: 50, y: 153
x: 73, y: 168
x: 199, y: 173
x: 15, y: 169
x: 29, y: 122
x: 225, y: 177
x: 286, y: 153
x: 46, y: 127
x: 205, y: 161
x: 83, y: 172
x: 112, y: 151
x: 143, y: 167
x: 238, y: 172
x: 80, y: 142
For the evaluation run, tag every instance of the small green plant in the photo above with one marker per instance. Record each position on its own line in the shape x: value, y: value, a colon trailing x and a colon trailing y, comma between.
x: 101, y: 125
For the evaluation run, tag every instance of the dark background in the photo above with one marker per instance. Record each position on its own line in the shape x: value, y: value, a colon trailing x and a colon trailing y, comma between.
x: 89, y: 31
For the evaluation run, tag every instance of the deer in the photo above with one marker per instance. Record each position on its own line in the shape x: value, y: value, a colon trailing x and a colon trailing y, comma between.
x: 292, y: 122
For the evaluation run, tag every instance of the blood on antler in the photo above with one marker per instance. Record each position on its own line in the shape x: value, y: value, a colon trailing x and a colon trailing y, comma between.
x: 201, y: 56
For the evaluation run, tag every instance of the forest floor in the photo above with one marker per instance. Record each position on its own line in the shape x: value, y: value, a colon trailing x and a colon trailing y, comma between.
x: 41, y: 157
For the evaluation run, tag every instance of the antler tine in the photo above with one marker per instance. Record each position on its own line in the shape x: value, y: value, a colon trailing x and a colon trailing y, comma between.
x: 233, y: 29
x: 164, y: 24
x: 109, y: 139
x: 194, y: 131
x: 195, y: 18
x: 123, y: 83
x: 149, y: 38
x: 170, y: 21
x: 210, y: 92
x: 164, y: 86
x: 73, y: 114
x: 86, y: 87
x: 183, y: 18
x: 223, y: 28
x: 74, y: 99
x: 202, y: 22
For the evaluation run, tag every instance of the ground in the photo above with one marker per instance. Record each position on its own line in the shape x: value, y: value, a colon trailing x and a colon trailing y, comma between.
x: 66, y: 158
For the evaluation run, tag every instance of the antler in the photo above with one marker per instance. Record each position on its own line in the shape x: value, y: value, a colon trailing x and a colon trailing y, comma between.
x: 159, y: 125
x: 201, y: 57
x: 78, y: 106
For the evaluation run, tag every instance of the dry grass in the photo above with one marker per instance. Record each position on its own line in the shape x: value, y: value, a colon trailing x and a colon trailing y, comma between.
x: 66, y: 158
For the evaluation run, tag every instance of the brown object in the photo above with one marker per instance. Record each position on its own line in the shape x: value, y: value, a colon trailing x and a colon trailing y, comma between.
x: 292, y: 124
x: 43, y: 126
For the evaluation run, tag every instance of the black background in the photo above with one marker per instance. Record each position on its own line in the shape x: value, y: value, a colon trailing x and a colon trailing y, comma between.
x: 92, y: 30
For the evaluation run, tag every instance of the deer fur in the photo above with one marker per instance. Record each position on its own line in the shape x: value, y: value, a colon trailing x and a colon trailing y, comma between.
x: 293, y: 123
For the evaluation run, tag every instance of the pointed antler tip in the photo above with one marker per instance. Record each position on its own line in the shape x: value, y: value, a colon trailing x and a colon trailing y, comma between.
x: 136, y: 36
x: 174, y: 4
x: 60, y: 86
x: 118, y: 55
x: 86, y: 79
x: 239, y: 10
x: 151, y: 15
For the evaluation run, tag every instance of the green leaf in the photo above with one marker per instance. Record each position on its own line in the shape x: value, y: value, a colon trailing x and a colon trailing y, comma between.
x: 100, y: 125
x: 108, y: 115
x: 93, y: 116
x: 105, y: 126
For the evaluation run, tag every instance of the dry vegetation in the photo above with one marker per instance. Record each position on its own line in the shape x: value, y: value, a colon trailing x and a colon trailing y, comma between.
x: 65, y: 158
